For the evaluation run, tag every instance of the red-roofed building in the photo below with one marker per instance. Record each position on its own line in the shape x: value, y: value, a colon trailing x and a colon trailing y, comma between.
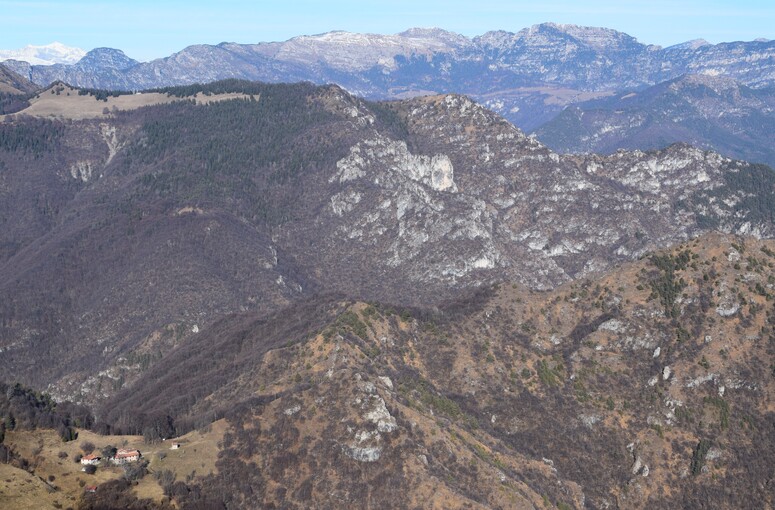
x: 124, y: 456
x: 90, y: 460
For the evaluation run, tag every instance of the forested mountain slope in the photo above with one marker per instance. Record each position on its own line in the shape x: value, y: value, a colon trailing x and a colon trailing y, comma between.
x: 123, y: 236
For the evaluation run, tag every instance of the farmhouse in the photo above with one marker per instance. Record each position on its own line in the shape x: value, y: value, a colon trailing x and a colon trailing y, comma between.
x: 90, y: 460
x: 175, y: 446
x: 124, y: 456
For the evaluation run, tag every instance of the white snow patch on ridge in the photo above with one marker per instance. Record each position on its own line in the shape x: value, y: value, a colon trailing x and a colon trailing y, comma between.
x: 54, y: 53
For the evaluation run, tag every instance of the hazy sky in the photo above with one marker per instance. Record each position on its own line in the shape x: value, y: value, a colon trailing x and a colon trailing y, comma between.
x: 147, y: 29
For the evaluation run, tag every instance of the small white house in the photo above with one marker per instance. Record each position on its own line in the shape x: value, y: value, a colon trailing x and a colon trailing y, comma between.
x: 125, y: 456
x: 90, y: 460
x: 175, y: 446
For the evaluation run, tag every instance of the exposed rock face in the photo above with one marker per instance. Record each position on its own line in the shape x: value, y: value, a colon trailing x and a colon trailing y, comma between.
x: 365, y: 446
x: 380, y: 416
x: 513, y: 205
x: 435, y: 172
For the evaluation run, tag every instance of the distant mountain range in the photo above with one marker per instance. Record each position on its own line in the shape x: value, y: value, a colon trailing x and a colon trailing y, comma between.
x: 527, y: 76
x: 705, y: 111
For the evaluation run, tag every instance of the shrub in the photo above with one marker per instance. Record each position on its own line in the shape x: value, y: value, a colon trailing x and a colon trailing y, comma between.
x: 87, y: 447
x: 723, y: 410
x: 109, y: 451
x: 67, y: 433
x: 135, y: 470
x: 547, y: 375
x: 698, y: 458
x: 166, y: 478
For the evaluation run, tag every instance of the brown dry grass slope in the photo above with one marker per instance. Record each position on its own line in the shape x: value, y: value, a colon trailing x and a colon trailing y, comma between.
x: 64, y: 102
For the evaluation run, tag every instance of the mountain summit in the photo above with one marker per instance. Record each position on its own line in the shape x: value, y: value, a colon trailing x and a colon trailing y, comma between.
x: 54, y: 53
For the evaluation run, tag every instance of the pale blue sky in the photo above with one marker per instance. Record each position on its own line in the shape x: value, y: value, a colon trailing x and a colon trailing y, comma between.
x: 147, y: 29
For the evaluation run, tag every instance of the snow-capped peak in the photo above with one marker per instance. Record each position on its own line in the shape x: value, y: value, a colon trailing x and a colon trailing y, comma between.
x: 596, y: 37
x: 690, y: 45
x: 357, y: 52
x: 54, y: 53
